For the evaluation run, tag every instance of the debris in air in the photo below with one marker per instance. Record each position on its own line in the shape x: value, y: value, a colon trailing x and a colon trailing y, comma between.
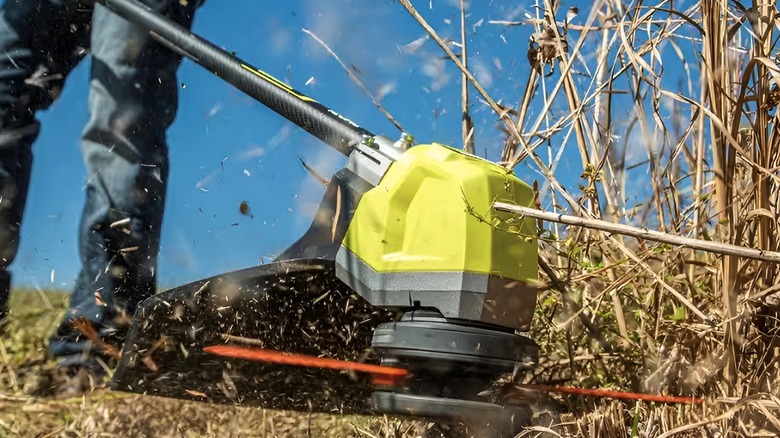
x: 99, y: 299
x: 213, y: 111
x: 314, y: 173
x: 477, y: 24
x: 244, y: 209
x: 571, y: 14
x: 415, y: 45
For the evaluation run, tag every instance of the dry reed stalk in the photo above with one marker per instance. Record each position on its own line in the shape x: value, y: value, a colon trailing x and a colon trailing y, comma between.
x: 762, y: 49
x: 467, y: 124
x: 643, y: 233
x: 357, y: 81
x: 717, y: 84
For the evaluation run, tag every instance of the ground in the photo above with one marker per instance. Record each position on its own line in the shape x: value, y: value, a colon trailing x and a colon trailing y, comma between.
x: 27, y: 407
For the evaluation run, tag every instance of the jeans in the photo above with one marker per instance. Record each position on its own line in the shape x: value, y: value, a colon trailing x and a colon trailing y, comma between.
x: 133, y: 97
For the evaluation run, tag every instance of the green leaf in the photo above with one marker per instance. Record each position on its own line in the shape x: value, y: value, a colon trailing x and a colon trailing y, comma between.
x: 679, y: 314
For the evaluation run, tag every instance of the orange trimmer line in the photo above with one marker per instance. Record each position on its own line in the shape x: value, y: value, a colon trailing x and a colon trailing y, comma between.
x: 380, y: 375
x: 610, y: 394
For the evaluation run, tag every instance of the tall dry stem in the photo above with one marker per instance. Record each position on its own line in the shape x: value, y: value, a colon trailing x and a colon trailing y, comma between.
x: 718, y: 79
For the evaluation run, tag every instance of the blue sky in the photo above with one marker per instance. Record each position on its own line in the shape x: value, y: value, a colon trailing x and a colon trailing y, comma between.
x: 226, y: 148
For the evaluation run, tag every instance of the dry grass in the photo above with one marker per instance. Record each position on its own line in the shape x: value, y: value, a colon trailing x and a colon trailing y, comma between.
x: 667, y: 111
x: 28, y: 408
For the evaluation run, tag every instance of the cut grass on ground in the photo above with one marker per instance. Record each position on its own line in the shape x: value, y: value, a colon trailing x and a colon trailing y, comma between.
x: 27, y: 410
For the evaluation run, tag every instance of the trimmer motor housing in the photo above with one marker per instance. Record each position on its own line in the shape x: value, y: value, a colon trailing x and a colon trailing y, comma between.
x: 427, y: 236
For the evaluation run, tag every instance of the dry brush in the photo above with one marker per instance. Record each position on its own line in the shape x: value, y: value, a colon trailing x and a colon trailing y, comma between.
x: 668, y: 109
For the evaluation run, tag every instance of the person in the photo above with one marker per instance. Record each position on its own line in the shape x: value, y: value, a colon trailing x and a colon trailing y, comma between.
x: 132, y: 102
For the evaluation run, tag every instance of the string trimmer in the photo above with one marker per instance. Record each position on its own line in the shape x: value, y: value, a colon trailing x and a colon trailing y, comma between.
x: 407, y: 274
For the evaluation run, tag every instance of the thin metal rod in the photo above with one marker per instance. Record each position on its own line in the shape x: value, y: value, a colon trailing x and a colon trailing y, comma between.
x: 642, y: 233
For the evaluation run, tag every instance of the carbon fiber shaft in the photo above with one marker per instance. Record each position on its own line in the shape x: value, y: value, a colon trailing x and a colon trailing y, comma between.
x: 310, y: 115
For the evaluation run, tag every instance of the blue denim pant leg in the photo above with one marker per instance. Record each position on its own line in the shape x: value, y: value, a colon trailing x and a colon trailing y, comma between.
x: 40, y: 43
x: 133, y: 99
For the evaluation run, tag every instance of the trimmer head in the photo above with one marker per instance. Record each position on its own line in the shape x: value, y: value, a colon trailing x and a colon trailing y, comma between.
x: 176, y: 349
x: 452, y: 366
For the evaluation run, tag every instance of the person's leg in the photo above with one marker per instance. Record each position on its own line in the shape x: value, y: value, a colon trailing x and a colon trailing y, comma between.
x: 40, y: 43
x: 133, y: 99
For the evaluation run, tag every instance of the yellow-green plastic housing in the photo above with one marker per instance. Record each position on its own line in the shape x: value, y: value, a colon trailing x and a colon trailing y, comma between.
x: 428, y: 233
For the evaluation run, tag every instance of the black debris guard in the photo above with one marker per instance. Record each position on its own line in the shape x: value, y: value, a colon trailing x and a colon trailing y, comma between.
x: 295, y: 306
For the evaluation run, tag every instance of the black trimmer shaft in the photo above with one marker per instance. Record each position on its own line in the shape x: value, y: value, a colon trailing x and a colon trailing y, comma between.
x: 305, y: 112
